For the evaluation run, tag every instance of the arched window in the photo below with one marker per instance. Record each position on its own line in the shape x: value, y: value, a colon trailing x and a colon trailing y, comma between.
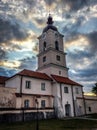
x: 56, y: 45
x: 43, y: 103
x: 26, y: 103
x: 44, y: 46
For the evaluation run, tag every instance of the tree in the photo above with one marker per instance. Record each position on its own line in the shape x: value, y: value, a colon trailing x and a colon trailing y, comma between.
x: 94, y: 89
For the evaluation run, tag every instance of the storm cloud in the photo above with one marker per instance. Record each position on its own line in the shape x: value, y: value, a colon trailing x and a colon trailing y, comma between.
x: 22, y: 21
x: 10, y: 31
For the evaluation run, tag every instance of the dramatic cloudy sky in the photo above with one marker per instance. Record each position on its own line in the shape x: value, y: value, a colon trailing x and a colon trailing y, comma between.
x: 22, y: 21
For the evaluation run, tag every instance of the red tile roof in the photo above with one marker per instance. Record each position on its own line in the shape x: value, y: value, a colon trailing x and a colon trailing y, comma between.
x: 34, y: 74
x: 2, y: 79
x: 64, y: 80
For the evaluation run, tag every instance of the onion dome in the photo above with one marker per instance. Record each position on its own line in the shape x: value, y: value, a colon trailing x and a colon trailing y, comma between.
x: 49, y: 25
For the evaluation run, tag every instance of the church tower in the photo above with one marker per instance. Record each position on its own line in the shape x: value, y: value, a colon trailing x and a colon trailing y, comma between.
x: 51, y: 57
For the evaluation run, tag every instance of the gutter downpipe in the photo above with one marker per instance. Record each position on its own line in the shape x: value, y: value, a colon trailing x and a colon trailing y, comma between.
x: 21, y: 85
x: 61, y: 93
x: 73, y: 100
x: 84, y: 103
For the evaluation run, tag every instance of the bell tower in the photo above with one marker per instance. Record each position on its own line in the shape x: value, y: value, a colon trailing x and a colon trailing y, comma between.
x: 51, y: 57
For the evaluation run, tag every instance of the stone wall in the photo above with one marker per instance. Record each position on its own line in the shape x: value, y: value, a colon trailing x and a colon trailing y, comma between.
x: 16, y: 115
x: 7, y: 97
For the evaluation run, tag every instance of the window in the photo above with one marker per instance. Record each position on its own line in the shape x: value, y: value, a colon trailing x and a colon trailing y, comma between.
x: 59, y: 72
x: 77, y: 90
x: 43, y: 103
x: 56, y: 45
x: 43, y: 86
x: 58, y: 58
x: 28, y: 84
x: 26, y: 103
x: 44, y: 58
x: 44, y: 46
x: 56, y: 35
x: 66, y: 90
x: 89, y: 109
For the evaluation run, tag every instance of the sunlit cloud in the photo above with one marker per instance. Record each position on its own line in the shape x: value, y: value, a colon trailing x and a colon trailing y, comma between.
x: 10, y: 64
x: 79, y: 42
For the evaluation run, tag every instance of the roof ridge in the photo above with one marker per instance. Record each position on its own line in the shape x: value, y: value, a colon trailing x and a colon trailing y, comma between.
x: 59, y: 76
x: 33, y: 74
x: 65, y: 80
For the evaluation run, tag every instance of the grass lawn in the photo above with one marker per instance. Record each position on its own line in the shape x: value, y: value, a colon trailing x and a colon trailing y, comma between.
x: 52, y: 124
x: 94, y: 116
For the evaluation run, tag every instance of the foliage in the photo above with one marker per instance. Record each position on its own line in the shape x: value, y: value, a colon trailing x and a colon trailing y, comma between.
x: 94, y: 89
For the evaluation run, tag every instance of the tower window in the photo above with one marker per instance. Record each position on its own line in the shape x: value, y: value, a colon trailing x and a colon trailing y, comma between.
x: 44, y: 46
x: 58, y: 57
x: 59, y: 72
x: 56, y: 45
x: 66, y: 90
x: 44, y: 58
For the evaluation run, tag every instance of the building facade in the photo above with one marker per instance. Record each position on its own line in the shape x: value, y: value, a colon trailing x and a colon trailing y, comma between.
x: 50, y: 84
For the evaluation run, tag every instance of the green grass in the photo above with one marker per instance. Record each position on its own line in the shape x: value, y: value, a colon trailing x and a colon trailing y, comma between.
x: 94, y: 116
x: 52, y: 124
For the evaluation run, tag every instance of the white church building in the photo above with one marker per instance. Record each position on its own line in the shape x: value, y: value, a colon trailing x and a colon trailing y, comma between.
x: 50, y: 84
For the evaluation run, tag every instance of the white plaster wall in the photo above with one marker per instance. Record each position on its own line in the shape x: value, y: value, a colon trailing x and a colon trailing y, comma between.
x: 36, y: 86
x: 30, y: 98
x: 54, y: 70
x: 19, y: 102
x: 14, y: 82
x: 48, y: 101
x: 92, y: 104
x: 80, y: 91
x: 51, y: 58
x: 91, y: 101
x: 50, y: 38
x: 67, y: 98
x: 80, y: 106
x: 78, y: 102
x: 56, y: 89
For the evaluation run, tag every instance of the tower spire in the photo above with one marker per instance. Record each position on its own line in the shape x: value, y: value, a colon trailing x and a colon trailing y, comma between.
x: 50, y: 20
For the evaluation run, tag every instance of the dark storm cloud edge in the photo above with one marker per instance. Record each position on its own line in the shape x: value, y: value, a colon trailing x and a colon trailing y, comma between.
x: 74, y: 5
x: 10, y: 31
x: 25, y: 63
x: 78, y: 56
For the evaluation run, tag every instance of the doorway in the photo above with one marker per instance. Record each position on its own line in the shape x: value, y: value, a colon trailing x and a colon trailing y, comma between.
x: 68, y: 110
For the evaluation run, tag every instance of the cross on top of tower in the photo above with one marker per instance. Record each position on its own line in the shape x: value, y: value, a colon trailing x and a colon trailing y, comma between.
x: 50, y: 20
x: 50, y: 25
